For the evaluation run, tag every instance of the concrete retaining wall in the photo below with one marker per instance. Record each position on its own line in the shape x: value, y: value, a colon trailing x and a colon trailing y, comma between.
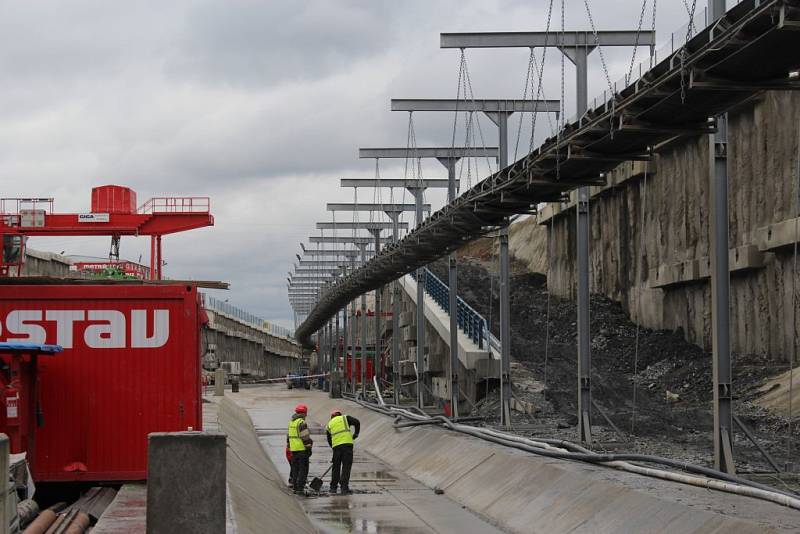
x: 261, y: 355
x: 526, y: 493
x: 671, y: 269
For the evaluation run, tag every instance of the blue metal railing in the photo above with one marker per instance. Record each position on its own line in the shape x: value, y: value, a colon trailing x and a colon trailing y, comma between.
x: 469, y: 321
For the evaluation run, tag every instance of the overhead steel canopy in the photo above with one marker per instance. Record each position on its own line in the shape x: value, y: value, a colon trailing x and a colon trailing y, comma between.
x: 723, y: 66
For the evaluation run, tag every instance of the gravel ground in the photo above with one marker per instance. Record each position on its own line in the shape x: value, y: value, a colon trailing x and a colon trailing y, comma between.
x: 671, y: 377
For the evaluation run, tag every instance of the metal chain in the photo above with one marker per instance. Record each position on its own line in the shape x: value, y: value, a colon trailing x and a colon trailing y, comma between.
x: 468, y: 80
x: 683, y: 51
x: 636, y: 43
x: 653, y: 29
x: 540, y: 75
x: 599, y: 48
x: 528, y: 83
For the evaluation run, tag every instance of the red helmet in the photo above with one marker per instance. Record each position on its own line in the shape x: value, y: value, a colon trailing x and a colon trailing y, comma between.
x: 336, y: 412
x: 301, y: 408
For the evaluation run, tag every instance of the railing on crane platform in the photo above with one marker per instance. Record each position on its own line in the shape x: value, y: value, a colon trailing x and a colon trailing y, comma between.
x: 472, y: 323
x: 176, y: 205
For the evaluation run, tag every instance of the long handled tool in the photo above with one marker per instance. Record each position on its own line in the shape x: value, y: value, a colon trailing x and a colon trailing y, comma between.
x: 316, y: 482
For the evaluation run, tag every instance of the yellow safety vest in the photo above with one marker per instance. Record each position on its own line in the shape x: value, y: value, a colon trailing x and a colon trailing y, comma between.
x: 340, y: 431
x: 295, y: 443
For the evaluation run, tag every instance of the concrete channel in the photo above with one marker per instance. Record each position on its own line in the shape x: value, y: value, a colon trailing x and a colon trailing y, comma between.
x: 487, y: 488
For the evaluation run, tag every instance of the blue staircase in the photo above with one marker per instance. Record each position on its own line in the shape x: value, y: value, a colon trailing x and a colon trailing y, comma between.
x: 473, y: 324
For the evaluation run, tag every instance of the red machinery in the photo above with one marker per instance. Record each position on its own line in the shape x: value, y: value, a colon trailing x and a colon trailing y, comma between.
x: 21, y: 397
x: 130, y: 366
x: 113, y: 213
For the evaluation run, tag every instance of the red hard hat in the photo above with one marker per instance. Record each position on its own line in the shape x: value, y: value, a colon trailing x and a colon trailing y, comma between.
x: 335, y: 412
x: 301, y: 408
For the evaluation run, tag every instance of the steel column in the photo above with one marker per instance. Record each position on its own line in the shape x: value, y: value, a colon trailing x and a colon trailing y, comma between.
x: 420, y: 310
x: 363, y: 330
x: 579, y: 58
x: 501, y: 119
x: 720, y: 287
x: 452, y: 282
x: 376, y: 358
x: 396, y: 384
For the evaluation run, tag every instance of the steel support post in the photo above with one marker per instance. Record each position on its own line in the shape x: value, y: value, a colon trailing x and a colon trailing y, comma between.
x: 345, y: 337
x: 501, y: 120
x: 335, y: 360
x: 396, y: 384
x: 579, y: 56
x: 452, y: 283
x: 353, y: 343
x: 720, y: 288
x: 363, y: 330
x: 420, y: 322
x: 377, y: 357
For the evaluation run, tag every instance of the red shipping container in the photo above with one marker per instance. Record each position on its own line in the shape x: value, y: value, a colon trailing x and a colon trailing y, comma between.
x: 130, y: 366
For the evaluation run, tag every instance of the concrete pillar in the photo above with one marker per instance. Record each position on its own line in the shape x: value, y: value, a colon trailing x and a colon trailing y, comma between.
x: 186, y: 482
x: 219, y: 382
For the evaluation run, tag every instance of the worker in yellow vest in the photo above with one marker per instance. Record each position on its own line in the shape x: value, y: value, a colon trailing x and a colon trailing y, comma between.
x: 340, y: 438
x: 298, y: 439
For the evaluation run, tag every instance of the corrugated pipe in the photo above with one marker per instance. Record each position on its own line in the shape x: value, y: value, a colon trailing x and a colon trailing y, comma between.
x: 710, y: 479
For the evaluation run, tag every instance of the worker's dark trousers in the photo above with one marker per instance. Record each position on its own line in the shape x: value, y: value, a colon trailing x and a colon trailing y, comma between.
x: 300, y: 469
x: 342, y: 462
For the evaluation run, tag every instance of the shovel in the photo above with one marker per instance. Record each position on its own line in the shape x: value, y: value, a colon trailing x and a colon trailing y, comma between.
x: 316, y: 482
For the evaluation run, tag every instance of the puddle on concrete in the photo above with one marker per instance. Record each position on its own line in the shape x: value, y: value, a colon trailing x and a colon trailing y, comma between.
x: 342, y: 515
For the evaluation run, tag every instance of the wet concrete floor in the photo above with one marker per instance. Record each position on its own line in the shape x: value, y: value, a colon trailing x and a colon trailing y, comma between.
x: 384, y: 500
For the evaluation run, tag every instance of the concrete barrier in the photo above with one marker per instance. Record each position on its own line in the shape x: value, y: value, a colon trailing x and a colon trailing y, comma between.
x: 186, y: 482
x: 526, y: 493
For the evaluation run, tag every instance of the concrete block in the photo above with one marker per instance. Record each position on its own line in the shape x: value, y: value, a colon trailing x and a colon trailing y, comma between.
x: 406, y: 318
x: 746, y: 258
x: 487, y: 367
x: 219, y: 382
x: 186, y: 482
x: 409, y: 333
x: 778, y: 235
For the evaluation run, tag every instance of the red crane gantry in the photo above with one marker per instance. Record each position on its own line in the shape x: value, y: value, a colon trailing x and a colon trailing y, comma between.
x: 113, y: 213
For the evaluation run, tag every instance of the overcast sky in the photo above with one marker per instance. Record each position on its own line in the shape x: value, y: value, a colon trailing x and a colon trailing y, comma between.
x: 260, y: 105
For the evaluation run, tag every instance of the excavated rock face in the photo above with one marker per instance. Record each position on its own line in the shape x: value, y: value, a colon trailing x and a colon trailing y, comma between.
x: 763, y: 191
x: 672, y: 378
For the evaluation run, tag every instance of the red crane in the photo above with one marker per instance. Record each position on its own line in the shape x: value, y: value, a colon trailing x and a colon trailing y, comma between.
x: 113, y: 213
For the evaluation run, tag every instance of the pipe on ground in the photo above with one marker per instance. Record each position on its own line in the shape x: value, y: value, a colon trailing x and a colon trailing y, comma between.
x: 571, y: 451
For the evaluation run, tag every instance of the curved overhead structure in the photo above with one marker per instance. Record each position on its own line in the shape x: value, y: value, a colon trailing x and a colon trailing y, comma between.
x: 722, y: 66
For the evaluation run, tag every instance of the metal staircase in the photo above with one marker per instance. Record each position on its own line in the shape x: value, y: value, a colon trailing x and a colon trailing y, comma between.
x: 473, y: 324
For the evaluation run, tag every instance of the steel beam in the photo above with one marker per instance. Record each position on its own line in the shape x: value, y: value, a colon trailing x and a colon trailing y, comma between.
x: 344, y: 253
x: 569, y: 39
x: 359, y: 225
x: 427, y: 152
x: 345, y: 239
x: 393, y: 182
x: 473, y: 105
x: 361, y: 206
